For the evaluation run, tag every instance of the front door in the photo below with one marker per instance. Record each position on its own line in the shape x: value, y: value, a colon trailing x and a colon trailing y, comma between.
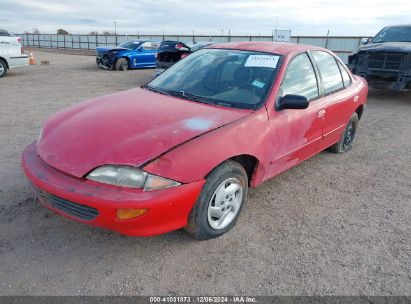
x: 295, y: 134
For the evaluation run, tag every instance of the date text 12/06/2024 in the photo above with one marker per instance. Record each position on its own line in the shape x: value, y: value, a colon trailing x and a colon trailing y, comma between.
x: 203, y: 299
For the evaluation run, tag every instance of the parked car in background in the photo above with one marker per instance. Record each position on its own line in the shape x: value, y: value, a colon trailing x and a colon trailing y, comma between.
x: 385, y: 59
x: 183, y: 150
x: 5, y: 36
x: 128, y: 55
x: 170, y: 52
x: 11, y: 56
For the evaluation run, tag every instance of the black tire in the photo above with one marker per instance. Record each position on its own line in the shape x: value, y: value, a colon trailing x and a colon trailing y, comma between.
x: 3, y: 68
x: 347, y: 138
x: 198, y: 224
x: 122, y: 64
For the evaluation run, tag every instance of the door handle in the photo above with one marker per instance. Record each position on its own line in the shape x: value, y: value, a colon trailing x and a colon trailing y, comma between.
x: 321, y: 113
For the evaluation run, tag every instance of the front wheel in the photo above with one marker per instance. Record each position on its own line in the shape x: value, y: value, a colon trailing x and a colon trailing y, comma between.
x: 347, y: 138
x: 122, y: 64
x: 220, y: 202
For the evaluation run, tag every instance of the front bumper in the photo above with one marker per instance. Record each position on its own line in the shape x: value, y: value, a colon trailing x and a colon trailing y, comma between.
x: 168, y: 209
x: 103, y: 61
x: 384, y: 69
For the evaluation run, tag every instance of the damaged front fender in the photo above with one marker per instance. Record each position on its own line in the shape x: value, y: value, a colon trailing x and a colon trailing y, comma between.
x: 197, y: 158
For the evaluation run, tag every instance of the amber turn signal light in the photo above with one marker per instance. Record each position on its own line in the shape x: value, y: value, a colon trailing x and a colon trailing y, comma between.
x: 126, y: 214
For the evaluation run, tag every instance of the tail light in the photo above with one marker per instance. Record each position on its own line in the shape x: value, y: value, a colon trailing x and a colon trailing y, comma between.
x: 19, y: 40
x: 179, y: 46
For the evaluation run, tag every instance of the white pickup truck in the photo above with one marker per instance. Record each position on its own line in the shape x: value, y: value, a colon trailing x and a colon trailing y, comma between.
x: 11, y: 55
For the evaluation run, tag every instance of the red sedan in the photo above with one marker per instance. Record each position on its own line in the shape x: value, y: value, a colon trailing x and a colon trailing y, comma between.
x: 182, y: 150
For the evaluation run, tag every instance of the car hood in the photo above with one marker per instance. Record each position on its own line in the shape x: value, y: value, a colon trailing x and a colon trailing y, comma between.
x: 109, y: 49
x: 127, y: 128
x: 387, y: 47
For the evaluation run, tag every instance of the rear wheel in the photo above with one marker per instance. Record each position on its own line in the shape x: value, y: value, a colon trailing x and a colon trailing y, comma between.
x: 122, y: 64
x: 220, y: 202
x: 347, y: 138
x: 3, y: 68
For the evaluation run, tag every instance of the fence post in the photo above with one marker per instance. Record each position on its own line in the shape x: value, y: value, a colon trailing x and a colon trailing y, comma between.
x: 96, y: 41
x: 326, y: 40
x: 51, y: 42
x: 116, y: 39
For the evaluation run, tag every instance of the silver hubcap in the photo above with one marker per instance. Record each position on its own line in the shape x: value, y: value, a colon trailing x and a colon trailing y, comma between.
x: 1, y: 69
x: 225, y: 203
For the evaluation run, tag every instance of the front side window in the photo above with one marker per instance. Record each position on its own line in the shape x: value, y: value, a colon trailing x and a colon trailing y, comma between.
x: 329, y: 70
x: 300, y: 78
x: 232, y: 78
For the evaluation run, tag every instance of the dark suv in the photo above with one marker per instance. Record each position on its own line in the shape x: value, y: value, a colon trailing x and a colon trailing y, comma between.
x: 385, y: 59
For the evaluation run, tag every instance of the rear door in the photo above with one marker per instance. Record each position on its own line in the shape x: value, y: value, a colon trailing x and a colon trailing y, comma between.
x: 295, y: 134
x: 338, y: 103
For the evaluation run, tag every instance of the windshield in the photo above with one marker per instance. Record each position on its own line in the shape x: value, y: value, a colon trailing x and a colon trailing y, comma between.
x: 130, y: 45
x: 232, y: 78
x: 394, y: 34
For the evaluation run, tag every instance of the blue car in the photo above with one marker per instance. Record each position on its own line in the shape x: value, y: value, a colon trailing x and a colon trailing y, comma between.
x: 128, y: 55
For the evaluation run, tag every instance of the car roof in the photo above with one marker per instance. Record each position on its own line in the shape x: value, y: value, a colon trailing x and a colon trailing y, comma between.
x: 137, y: 40
x: 280, y: 48
x: 399, y: 25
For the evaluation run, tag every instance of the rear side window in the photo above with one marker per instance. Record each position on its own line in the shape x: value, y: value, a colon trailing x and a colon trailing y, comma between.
x: 300, y: 78
x: 149, y: 45
x: 346, y: 77
x: 329, y: 70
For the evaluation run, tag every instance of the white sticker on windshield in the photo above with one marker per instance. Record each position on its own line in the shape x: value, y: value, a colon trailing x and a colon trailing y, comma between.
x: 265, y: 61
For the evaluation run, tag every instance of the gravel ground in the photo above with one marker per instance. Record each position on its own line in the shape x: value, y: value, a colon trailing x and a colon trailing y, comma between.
x: 334, y: 225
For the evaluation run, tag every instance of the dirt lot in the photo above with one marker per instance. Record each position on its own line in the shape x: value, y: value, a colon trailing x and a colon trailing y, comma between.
x: 336, y: 224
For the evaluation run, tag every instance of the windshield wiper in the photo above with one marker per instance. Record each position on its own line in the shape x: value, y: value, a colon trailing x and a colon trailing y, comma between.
x: 190, y: 96
x: 156, y: 90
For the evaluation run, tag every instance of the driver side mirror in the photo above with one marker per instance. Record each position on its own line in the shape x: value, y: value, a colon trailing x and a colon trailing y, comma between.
x: 364, y: 41
x: 140, y: 49
x: 290, y: 101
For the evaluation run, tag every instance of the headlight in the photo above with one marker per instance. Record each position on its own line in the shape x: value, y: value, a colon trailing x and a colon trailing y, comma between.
x: 130, y: 177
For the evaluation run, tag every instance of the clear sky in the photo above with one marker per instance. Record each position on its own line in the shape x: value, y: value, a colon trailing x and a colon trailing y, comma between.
x: 241, y: 17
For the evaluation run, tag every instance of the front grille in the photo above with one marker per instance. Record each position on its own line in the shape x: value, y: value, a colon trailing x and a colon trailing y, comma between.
x: 386, y: 62
x: 79, y: 211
